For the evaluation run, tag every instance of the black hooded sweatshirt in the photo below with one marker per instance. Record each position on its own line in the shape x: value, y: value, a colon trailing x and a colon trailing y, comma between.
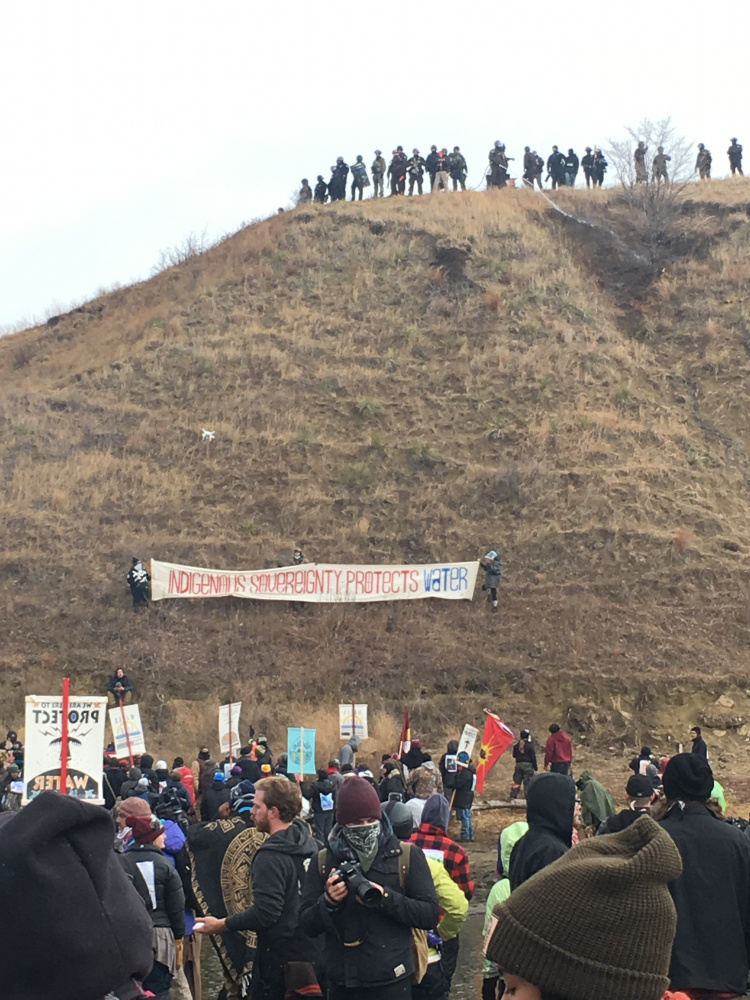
x: 550, y: 804
x: 448, y: 776
x: 278, y: 872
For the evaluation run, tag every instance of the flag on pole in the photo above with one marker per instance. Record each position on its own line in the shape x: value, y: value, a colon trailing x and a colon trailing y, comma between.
x: 495, y: 741
x: 405, y: 741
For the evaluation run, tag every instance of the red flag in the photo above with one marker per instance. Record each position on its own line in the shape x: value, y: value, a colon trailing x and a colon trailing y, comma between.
x: 495, y: 741
x: 405, y: 742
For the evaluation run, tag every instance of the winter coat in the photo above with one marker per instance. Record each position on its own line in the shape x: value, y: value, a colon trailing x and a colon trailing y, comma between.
x: 431, y: 163
x: 493, y: 569
x: 712, y: 898
x: 179, y: 790
x: 346, y: 753
x: 525, y: 756
x: 125, y: 683
x: 501, y: 889
x: 317, y: 789
x: 382, y: 934
x: 699, y: 747
x: 212, y: 799
x: 413, y: 758
x: 453, y: 903
x: 464, y: 786
x: 558, y: 749
x: 425, y: 780
x: 446, y: 775
x: 571, y: 164
x: 635, y: 764
x: 621, y: 821
x: 158, y: 884
x: 127, y: 788
x: 392, y: 782
x: 186, y: 777
x: 278, y: 872
x: 550, y: 802
x: 596, y: 802
x: 250, y: 769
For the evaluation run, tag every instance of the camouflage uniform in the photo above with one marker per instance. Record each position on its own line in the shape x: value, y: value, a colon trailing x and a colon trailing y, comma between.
x: 703, y: 162
x: 378, y: 169
x: 458, y: 169
x: 641, y: 170
x: 659, y: 171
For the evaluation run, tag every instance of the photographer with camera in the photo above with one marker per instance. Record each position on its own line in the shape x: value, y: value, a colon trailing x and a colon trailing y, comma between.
x: 365, y: 893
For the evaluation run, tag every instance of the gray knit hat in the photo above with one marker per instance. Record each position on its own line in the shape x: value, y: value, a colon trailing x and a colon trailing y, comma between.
x: 599, y: 922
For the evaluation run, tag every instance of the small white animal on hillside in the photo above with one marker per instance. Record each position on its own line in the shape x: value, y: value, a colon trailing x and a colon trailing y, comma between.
x: 208, y: 435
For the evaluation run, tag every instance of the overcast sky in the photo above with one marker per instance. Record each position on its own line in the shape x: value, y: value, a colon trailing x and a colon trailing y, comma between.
x: 127, y: 126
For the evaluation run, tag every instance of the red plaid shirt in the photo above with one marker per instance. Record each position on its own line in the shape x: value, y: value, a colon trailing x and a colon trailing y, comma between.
x: 435, y: 843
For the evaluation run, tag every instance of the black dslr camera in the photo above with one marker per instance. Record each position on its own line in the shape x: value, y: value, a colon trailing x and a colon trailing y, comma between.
x: 350, y: 872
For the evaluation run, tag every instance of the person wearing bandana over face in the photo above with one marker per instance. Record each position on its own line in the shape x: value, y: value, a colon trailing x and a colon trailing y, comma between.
x: 365, y: 893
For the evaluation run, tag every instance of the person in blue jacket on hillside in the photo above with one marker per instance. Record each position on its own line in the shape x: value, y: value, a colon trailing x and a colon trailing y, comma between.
x: 492, y: 565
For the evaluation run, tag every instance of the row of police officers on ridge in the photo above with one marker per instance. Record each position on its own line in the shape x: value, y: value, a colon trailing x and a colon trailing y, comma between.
x: 445, y: 169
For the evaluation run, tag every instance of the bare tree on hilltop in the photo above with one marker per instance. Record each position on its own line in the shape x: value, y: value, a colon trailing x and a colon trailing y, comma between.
x: 620, y: 153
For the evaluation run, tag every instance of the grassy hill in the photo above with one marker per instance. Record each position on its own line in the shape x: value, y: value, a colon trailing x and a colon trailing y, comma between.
x: 401, y: 380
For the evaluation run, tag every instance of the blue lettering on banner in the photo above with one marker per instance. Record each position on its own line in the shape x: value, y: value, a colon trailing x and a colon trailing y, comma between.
x: 444, y: 578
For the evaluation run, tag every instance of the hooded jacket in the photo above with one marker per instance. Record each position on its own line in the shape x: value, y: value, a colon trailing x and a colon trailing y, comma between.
x: 501, y: 889
x: 346, y: 754
x: 550, y: 803
x: 127, y: 788
x: 158, y: 884
x: 370, y: 946
x: 712, y: 898
x: 557, y: 749
x: 318, y: 788
x: 278, y: 872
x: 212, y: 799
x: 425, y: 780
x: 413, y: 758
x: 446, y: 775
x: 596, y: 802
x: 464, y: 785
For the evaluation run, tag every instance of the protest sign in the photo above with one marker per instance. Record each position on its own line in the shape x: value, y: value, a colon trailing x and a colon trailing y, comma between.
x: 300, y: 749
x: 318, y: 583
x: 468, y: 739
x: 127, y: 730
x: 44, y: 746
x: 229, y: 727
x: 357, y: 714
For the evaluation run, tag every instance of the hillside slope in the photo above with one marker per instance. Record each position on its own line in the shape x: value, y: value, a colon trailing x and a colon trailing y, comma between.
x: 404, y: 380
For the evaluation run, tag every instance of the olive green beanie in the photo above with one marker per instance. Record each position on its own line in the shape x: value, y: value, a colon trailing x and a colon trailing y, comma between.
x: 597, y: 924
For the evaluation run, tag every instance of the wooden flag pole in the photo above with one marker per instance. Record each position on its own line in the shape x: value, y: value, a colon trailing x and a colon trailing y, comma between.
x: 302, y: 753
x: 64, y: 735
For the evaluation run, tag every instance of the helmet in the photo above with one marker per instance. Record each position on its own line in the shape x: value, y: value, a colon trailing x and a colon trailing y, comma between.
x: 498, y: 144
x: 415, y: 150
x: 339, y: 159
x: 359, y: 159
x: 701, y: 146
x: 378, y: 152
x: 588, y: 149
x: 399, y: 149
x: 434, y: 149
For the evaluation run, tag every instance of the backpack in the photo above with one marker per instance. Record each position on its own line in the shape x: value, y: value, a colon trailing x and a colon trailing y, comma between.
x: 420, y: 949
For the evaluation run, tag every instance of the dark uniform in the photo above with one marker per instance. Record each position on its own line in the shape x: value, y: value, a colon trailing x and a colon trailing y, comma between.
x: 498, y: 166
x: 321, y: 191
x: 703, y: 162
x: 571, y: 168
x: 587, y: 162
x: 556, y: 168
x: 459, y: 169
x: 337, y: 184
x: 431, y: 164
x: 397, y: 171
x: 138, y: 581
x: 360, y: 180
x: 378, y: 169
x: 539, y: 168
x: 600, y: 166
x: 735, y: 158
x: 415, y: 168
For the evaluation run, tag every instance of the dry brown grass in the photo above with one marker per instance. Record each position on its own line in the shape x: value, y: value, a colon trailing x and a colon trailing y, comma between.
x: 370, y: 409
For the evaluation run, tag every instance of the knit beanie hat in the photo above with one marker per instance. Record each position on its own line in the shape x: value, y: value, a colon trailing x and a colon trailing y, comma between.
x: 436, y: 811
x: 357, y: 800
x: 689, y: 777
x: 620, y: 921
x: 133, y: 806
x: 56, y: 859
x: 145, y: 829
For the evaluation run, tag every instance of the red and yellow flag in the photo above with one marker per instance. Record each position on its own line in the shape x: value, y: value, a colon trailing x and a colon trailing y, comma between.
x: 496, y: 739
x: 405, y: 742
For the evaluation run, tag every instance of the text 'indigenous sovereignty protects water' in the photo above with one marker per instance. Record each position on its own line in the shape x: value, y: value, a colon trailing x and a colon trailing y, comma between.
x: 318, y: 583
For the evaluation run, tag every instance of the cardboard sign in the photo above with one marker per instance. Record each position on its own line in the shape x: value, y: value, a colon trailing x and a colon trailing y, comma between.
x: 122, y: 718
x: 345, y: 721
x: 43, y: 747
x: 229, y: 727
x: 468, y: 739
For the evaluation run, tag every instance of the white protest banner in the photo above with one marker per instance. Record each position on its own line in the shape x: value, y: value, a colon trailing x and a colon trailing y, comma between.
x: 357, y: 714
x: 318, y: 583
x: 468, y: 739
x: 43, y: 746
x: 127, y: 730
x: 229, y: 727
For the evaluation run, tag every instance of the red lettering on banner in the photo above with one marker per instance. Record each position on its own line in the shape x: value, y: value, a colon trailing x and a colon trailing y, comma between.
x: 349, y: 579
x: 359, y: 581
x: 368, y: 582
x: 239, y: 584
x: 414, y: 574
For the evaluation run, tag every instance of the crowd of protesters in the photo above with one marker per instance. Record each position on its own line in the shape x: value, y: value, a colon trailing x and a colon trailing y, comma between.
x: 350, y: 885
x: 447, y: 169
